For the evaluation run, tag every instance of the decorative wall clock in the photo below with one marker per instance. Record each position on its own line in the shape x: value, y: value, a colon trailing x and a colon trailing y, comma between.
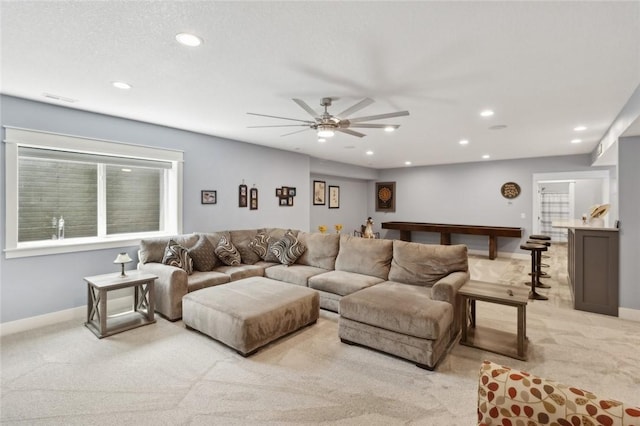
x: 510, y: 190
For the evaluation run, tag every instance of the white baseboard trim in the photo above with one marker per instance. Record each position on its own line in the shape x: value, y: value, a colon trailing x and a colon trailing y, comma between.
x: 79, y: 313
x: 629, y: 314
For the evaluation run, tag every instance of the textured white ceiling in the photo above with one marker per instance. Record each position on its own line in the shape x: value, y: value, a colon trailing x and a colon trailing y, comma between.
x: 543, y: 67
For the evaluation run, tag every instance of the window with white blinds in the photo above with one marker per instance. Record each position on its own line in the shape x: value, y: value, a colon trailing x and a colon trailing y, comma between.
x: 64, y: 191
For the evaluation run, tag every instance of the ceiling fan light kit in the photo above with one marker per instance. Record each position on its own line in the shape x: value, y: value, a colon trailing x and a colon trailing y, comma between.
x: 326, y: 124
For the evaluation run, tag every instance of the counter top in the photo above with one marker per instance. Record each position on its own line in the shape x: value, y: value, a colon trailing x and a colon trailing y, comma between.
x: 578, y: 224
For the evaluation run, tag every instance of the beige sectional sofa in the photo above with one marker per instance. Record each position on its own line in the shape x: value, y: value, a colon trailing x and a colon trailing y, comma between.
x: 394, y: 296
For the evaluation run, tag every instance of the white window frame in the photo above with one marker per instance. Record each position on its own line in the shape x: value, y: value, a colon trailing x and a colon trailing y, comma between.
x: 16, y: 137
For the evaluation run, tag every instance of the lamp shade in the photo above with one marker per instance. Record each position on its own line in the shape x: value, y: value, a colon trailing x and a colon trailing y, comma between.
x: 325, y: 132
x: 122, y: 258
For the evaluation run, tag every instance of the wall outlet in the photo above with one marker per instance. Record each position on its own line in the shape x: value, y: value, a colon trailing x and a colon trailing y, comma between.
x: 523, y: 216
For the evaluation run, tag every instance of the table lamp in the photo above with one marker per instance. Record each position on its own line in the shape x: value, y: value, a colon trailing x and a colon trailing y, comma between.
x: 122, y: 258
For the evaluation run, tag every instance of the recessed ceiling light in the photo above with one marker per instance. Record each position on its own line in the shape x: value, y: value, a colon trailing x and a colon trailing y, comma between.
x: 407, y: 163
x: 486, y: 113
x: 486, y: 156
x: 322, y: 140
x: 389, y: 129
x: 369, y: 153
x: 121, y: 85
x: 463, y: 142
x: 576, y: 140
x: 579, y: 128
x: 188, y: 39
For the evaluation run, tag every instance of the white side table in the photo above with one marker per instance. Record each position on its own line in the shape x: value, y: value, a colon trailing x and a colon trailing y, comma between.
x: 98, y: 286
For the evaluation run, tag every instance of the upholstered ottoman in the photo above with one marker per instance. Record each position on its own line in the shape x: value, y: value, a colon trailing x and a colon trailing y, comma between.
x: 250, y: 313
x: 398, y: 319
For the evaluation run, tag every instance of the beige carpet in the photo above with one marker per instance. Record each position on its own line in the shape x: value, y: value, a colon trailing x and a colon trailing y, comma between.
x: 164, y: 374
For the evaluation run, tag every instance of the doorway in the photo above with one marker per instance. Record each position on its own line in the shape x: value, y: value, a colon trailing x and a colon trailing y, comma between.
x: 566, y: 196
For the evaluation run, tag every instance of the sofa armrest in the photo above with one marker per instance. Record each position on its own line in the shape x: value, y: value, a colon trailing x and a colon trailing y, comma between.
x: 446, y: 289
x: 169, y: 288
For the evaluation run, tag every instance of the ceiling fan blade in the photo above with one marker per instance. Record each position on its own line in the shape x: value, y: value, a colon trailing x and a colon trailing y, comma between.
x: 373, y: 126
x: 282, y: 118
x: 293, y: 133
x: 278, y: 125
x: 350, y: 132
x: 357, y: 107
x: 379, y: 116
x: 306, y: 107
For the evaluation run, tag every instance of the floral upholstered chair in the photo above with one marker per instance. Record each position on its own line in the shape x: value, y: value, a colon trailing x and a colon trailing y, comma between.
x: 509, y: 397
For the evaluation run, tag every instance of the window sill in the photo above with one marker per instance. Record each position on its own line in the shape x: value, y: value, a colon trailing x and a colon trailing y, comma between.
x: 72, y: 245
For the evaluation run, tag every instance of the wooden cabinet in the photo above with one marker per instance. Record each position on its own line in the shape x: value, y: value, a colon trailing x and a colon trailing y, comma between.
x: 593, y: 269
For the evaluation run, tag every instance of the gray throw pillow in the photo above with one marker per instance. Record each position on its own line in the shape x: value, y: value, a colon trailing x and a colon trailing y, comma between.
x: 178, y: 256
x: 288, y: 249
x: 227, y: 252
x: 261, y: 244
x: 203, y: 255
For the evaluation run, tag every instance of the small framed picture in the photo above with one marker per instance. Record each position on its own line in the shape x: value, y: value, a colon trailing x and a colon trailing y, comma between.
x: 290, y: 201
x: 253, y: 199
x: 208, y: 197
x: 242, y: 195
x: 278, y: 192
x: 283, y: 201
x: 292, y: 191
x: 285, y: 191
x: 334, y: 197
x: 319, y: 192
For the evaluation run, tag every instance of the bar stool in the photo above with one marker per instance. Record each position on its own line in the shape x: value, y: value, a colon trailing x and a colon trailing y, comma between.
x: 541, y: 273
x: 536, y: 250
x: 541, y: 237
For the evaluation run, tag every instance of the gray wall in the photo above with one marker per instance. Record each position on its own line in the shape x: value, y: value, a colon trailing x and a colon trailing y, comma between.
x: 38, y: 285
x: 470, y: 194
x: 588, y: 192
x: 353, y: 204
x: 629, y: 199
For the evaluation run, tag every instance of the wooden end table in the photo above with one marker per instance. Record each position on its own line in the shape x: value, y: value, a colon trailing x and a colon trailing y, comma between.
x: 98, y: 319
x: 489, y: 339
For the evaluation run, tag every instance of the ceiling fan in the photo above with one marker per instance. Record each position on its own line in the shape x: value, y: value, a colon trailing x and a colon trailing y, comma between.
x: 327, y: 124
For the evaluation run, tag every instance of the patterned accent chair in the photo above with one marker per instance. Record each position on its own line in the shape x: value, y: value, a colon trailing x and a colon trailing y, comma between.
x: 511, y: 397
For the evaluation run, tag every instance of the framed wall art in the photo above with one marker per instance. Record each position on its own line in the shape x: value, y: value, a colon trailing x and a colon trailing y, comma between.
x: 319, y: 192
x: 242, y: 195
x: 253, y: 199
x: 385, y: 196
x: 334, y: 197
x: 510, y: 190
x: 208, y: 197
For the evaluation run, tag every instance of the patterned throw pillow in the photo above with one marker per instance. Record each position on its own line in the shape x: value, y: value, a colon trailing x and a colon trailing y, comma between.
x: 227, y: 252
x: 288, y: 249
x: 261, y: 244
x: 203, y: 255
x: 178, y: 256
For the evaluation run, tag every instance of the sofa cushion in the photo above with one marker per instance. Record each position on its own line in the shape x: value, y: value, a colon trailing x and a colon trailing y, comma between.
x: 203, y: 255
x: 365, y: 256
x: 293, y: 274
x: 402, y: 308
x: 239, y: 272
x: 321, y: 251
x: 227, y: 252
x: 152, y: 249
x: 425, y: 264
x: 178, y: 256
x: 199, y: 280
x: 341, y: 282
x: 241, y: 240
x: 288, y: 249
x: 261, y: 244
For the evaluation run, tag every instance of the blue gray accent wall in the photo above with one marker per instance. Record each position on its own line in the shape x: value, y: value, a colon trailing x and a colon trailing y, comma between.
x: 39, y: 285
x: 629, y: 201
